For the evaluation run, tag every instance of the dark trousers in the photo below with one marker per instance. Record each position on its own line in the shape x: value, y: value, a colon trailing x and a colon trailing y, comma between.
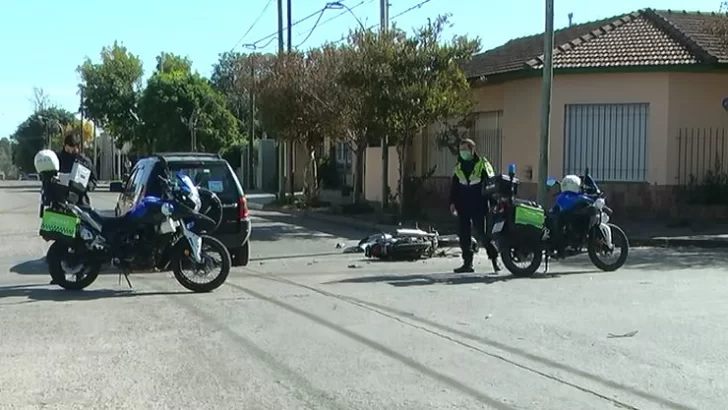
x: 482, y: 233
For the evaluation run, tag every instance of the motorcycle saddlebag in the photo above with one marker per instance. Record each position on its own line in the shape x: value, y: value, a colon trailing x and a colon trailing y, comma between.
x: 526, y: 223
x: 58, y: 226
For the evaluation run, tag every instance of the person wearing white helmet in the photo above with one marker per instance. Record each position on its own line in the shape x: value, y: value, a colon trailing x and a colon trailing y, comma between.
x: 570, y: 187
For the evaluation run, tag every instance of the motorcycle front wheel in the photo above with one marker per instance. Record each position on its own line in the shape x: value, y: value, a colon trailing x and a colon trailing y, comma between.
x: 188, y: 272
x: 68, y: 270
x: 518, y: 263
x: 597, y: 248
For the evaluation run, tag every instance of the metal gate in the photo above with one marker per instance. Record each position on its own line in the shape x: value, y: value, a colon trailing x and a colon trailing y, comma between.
x: 609, y: 139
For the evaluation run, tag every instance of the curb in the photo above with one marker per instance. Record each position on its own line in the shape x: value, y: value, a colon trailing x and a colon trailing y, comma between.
x: 660, y: 242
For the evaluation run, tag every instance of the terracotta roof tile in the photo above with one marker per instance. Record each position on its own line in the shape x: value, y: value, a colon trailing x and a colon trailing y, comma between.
x: 700, y: 28
x: 634, y: 42
x: 644, y: 38
x: 512, y: 56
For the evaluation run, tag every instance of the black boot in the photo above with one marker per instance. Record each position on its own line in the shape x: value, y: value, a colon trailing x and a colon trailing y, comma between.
x: 467, y: 266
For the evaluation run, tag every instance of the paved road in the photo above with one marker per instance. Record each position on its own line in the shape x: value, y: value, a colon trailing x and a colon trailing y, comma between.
x: 336, y: 332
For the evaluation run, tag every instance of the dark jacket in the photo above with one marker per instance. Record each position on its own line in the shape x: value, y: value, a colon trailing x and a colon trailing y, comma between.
x: 466, y: 188
x: 66, y: 162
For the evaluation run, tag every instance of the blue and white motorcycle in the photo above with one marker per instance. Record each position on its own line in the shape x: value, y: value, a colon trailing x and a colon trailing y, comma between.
x: 525, y: 233
x: 157, y: 233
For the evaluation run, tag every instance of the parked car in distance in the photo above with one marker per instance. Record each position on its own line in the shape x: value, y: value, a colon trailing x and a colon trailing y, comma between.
x: 208, y: 171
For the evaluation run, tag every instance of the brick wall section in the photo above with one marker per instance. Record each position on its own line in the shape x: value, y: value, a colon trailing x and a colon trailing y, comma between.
x: 632, y: 201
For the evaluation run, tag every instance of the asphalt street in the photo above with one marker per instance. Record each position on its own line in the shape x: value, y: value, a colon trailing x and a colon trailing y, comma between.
x: 306, y: 327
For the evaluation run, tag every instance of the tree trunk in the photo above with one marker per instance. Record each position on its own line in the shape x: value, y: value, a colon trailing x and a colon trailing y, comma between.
x: 310, y: 181
x: 359, y: 172
x: 401, y: 154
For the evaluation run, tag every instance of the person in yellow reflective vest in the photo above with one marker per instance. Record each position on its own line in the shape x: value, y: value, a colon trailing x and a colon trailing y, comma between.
x: 468, y: 203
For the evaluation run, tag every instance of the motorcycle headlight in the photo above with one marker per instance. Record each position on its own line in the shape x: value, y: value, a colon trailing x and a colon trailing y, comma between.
x: 600, y: 203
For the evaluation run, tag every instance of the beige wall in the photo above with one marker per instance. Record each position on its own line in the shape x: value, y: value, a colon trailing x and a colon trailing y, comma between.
x: 677, y: 100
x: 522, y: 108
x: 695, y: 103
x: 373, y: 173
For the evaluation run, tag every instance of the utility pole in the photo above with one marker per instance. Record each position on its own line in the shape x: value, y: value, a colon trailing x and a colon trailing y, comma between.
x: 548, y: 74
x: 80, y: 111
x: 281, y: 143
x: 251, y: 126
x: 291, y: 144
x: 384, y: 27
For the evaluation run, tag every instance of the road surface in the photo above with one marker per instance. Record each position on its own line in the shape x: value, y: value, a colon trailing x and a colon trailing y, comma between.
x: 305, y: 327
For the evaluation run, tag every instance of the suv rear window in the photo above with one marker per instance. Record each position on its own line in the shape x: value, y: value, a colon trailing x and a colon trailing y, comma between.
x: 215, y: 176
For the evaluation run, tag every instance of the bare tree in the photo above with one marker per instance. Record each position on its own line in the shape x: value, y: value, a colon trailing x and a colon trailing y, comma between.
x: 40, y: 99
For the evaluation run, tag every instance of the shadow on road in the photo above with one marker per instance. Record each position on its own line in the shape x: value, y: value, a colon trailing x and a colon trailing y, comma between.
x: 32, y: 267
x: 665, y: 259
x: 274, y: 232
x: 304, y: 224
x: 446, y: 278
x: 44, y: 293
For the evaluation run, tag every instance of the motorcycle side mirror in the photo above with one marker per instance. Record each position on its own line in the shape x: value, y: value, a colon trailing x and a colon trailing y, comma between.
x: 550, y: 181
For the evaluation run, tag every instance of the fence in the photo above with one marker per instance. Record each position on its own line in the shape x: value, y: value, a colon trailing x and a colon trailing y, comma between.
x: 701, y: 154
x: 489, y: 145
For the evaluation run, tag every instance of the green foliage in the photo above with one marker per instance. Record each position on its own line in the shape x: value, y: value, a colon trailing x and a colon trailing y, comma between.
x: 712, y: 190
x: 6, y: 158
x: 177, y: 103
x: 32, y: 134
x: 111, y: 90
x: 413, y: 80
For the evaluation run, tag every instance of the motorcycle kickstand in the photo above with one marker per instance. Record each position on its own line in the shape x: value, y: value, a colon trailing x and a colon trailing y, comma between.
x: 125, y: 273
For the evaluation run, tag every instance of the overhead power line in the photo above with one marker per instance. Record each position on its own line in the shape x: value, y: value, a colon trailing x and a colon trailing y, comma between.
x: 402, y: 13
x: 265, y: 8
x: 255, y: 44
x: 332, y: 6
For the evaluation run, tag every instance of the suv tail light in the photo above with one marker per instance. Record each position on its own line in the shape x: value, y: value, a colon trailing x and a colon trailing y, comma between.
x: 242, y: 208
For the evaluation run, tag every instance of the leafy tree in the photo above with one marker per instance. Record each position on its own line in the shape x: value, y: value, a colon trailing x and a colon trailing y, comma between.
x: 231, y: 77
x: 416, y: 81
x: 32, y: 135
x: 292, y: 104
x: 169, y: 62
x: 6, y: 158
x: 358, y: 99
x: 111, y: 90
x: 178, y: 105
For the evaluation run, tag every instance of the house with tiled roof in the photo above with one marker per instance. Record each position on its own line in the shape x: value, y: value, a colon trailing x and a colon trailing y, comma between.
x: 637, y: 98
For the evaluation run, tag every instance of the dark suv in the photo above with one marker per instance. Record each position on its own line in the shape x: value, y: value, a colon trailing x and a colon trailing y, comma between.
x: 209, y: 171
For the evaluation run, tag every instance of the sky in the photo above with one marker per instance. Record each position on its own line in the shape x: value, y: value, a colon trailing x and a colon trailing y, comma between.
x: 44, y: 41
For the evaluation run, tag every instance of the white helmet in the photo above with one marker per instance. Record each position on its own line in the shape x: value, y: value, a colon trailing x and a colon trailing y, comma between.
x: 46, y: 160
x: 571, y: 183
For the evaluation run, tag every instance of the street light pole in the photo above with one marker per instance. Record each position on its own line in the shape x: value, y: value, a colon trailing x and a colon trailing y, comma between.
x: 384, y: 26
x: 291, y: 144
x: 547, y: 76
x: 281, y: 144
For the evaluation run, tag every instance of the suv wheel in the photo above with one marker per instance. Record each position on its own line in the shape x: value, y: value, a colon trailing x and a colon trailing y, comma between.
x: 241, y: 255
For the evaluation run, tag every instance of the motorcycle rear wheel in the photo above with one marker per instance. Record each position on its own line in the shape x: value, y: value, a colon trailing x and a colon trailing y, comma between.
x: 509, y: 258
x: 57, y: 259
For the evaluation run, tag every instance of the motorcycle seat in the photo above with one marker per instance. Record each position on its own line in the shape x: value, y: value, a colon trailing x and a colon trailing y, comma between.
x: 108, y: 223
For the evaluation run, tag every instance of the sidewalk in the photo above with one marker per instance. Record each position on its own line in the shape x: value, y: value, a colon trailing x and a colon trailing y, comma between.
x: 639, y: 233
